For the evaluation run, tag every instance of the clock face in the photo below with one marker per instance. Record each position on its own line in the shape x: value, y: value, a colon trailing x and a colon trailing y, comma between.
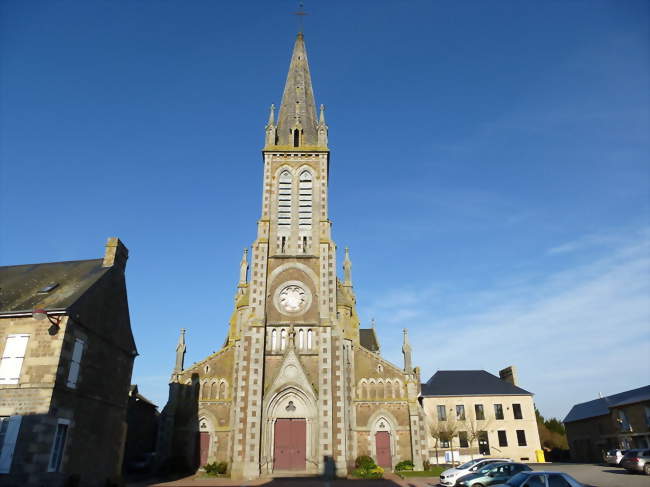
x: 292, y: 298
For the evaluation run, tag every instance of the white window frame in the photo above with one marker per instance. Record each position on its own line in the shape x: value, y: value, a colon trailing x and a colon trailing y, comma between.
x: 57, y: 468
x: 8, y: 444
x: 17, y: 360
x: 75, y: 363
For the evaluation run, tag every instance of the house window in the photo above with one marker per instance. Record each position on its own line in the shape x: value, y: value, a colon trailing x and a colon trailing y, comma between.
x: 623, y: 422
x: 498, y: 411
x: 444, y: 444
x: 460, y: 412
x: 479, y: 411
x: 58, y: 445
x: 75, y: 363
x: 9, y: 427
x: 12, y: 358
x: 442, y: 413
x: 521, y: 437
x: 516, y: 410
x: 462, y: 439
x: 503, y: 438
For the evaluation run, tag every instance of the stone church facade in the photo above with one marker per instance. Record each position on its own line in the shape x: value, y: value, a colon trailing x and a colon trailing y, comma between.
x: 298, y: 386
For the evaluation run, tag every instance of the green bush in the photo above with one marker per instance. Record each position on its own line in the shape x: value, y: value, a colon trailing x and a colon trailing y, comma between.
x: 215, y: 468
x: 364, y: 462
x: 404, y: 465
x: 369, y: 473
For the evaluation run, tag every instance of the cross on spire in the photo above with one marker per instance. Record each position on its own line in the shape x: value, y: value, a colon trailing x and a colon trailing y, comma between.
x: 300, y: 13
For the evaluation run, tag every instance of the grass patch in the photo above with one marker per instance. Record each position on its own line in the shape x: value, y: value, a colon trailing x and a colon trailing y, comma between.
x: 433, y: 472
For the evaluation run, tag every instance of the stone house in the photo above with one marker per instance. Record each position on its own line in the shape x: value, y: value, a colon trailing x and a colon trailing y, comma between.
x: 65, y: 371
x: 618, y: 421
x: 474, y: 413
x: 298, y: 386
x: 142, y: 429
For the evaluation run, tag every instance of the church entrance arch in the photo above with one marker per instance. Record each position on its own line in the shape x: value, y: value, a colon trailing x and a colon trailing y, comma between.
x: 204, y: 440
x: 383, y: 439
x: 290, y: 432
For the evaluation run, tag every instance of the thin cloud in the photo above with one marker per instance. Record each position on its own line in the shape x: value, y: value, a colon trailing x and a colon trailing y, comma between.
x: 572, y: 333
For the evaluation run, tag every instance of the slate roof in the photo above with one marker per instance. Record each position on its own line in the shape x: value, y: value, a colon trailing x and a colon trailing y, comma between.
x: 469, y: 383
x: 368, y: 339
x: 602, y: 405
x: 20, y: 284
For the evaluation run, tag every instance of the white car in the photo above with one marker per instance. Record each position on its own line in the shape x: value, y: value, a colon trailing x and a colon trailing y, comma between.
x: 449, y: 477
x: 614, y: 457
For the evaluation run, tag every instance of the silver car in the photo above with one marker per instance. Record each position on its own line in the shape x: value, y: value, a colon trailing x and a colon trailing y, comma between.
x: 613, y: 457
x: 541, y: 479
x: 637, y: 461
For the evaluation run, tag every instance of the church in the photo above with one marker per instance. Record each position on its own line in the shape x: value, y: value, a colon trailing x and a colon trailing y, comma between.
x: 298, y: 386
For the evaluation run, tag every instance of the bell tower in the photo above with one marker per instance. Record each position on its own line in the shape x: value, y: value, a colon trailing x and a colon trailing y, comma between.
x: 292, y: 296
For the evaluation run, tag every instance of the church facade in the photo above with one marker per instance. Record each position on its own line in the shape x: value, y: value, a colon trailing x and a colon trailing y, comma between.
x: 299, y: 386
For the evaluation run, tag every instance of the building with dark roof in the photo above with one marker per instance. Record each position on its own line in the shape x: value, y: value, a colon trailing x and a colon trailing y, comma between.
x: 618, y: 421
x: 65, y: 371
x: 472, y: 413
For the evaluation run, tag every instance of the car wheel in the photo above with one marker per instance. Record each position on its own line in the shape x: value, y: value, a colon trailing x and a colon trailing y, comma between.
x: 646, y: 469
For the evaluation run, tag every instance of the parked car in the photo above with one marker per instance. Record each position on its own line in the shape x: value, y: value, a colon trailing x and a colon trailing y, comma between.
x: 637, y: 461
x: 492, y: 473
x: 542, y: 479
x: 613, y: 457
x: 449, y: 477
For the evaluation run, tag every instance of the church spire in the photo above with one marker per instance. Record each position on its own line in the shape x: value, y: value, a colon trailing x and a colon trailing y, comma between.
x: 180, y: 353
x: 297, y: 125
x: 243, y: 268
x: 406, y: 350
x: 347, y: 269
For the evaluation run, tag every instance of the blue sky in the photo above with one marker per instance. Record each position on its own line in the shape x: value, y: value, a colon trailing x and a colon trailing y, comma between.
x: 489, y: 170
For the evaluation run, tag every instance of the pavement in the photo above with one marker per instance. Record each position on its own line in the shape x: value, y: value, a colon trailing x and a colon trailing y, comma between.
x: 589, y: 474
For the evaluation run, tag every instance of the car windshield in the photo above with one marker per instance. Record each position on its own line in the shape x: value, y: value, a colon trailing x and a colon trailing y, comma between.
x: 465, y: 466
x: 488, y: 468
x: 517, y: 480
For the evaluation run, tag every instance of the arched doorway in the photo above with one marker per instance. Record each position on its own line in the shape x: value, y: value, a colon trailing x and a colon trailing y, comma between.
x: 203, y: 441
x: 382, y: 439
x: 290, y: 432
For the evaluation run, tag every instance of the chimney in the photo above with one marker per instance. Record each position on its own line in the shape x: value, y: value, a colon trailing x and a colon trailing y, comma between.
x: 509, y: 374
x: 116, y: 254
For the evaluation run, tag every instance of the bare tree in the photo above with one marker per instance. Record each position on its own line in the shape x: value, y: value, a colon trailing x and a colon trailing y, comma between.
x: 474, y: 428
x: 444, y: 432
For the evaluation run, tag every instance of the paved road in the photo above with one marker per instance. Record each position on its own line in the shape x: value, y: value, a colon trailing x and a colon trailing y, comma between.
x: 590, y: 474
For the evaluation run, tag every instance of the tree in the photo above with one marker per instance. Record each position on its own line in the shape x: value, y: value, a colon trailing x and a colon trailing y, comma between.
x: 444, y: 432
x: 474, y: 428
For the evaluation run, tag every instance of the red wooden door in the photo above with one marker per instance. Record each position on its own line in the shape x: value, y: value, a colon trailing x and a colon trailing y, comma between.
x: 290, y: 443
x: 204, y: 447
x: 382, y: 442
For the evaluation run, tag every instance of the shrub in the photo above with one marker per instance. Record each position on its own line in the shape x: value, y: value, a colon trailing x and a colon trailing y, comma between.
x: 427, y: 465
x: 215, y: 468
x: 404, y: 465
x: 364, y: 462
x: 368, y: 473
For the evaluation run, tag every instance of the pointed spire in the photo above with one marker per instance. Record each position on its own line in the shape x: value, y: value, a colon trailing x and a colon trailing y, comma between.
x: 347, y: 268
x: 271, y: 116
x: 298, y: 109
x: 321, y: 118
x: 406, y: 350
x: 180, y: 353
x: 322, y: 128
x: 243, y: 268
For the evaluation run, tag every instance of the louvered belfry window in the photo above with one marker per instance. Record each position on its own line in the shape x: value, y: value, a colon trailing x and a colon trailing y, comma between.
x: 284, y: 200
x: 305, y: 196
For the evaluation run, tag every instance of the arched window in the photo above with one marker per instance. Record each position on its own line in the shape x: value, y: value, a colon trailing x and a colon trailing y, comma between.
x: 364, y: 390
x: 301, y: 339
x: 213, y: 390
x: 222, y: 390
x: 283, y: 339
x: 305, y: 192
x: 389, y: 390
x: 274, y: 339
x: 309, y: 338
x: 205, y: 391
x: 373, y: 390
x: 380, y: 389
x: 398, y: 389
x: 284, y: 200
